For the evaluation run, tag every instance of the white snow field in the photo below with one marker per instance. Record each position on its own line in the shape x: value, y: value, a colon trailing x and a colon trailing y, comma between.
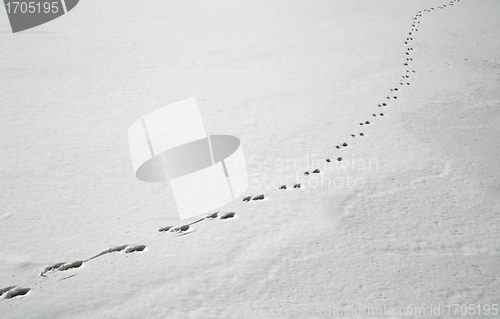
x: 407, y: 223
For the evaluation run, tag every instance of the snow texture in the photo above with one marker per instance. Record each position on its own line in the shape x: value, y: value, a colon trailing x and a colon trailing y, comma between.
x: 380, y: 118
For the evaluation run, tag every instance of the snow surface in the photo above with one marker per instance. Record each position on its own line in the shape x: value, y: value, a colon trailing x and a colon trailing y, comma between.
x: 409, y: 217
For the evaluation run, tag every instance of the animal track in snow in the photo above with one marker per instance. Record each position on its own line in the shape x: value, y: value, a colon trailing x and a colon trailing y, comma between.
x: 164, y: 229
x: 183, y: 230
x: 260, y: 197
x: 180, y: 228
x: 126, y: 248
x: 228, y: 215
x: 62, y: 267
x: 12, y: 292
x: 6, y: 289
x: 212, y: 216
x: 297, y: 185
x: 133, y: 249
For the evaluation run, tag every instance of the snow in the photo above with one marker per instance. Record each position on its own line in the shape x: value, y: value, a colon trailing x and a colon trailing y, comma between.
x: 409, y: 218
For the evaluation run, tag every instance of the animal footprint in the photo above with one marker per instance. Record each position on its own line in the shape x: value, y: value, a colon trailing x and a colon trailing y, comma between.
x: 133, y: 249
x: 164, y: 229
x: 127, y: 248
x: 296, y: 186
x: 260, y: 197
x: 228, y: 215
x: 247, y: 199
x: 62, y: 266
x: 180, y: 229
x: 12, y: 293
x: 213, y: 216
x: 67, y: 266
x: 316, y: 171
x: 4, y: 290
x: 282, y: 187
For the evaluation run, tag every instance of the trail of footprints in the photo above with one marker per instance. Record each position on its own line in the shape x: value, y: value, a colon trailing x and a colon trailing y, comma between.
x: 186, y: 229
x: 16, y: 291
x: 392, y: 96
x: 63, y: 266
